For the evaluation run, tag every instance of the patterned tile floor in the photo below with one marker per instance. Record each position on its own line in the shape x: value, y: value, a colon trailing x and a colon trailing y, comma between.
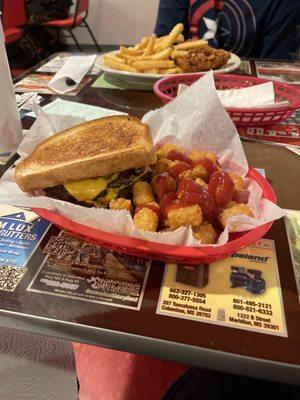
x: 34, y: 367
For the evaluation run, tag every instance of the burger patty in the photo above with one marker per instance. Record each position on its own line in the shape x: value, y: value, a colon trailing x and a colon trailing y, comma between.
x: 122, y: 184
x: 60, y: 193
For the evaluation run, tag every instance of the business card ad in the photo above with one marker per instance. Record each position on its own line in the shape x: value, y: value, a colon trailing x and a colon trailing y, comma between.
x: 241, y: 291
x: 82, y: 271
x: 21, y: 231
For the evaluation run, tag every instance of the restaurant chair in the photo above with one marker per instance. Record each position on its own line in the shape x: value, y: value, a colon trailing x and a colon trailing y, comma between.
x: 73, y: 21
x: 13, y: 18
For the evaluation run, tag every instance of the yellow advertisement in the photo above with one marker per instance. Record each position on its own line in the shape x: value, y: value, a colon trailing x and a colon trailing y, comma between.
x: 242, y: 291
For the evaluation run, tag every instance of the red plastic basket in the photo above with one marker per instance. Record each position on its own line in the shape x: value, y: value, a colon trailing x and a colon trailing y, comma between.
x: 160, y: 251
x: 166, y: 89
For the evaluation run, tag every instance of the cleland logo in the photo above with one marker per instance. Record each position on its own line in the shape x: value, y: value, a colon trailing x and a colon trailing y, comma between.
x: 251, y: 257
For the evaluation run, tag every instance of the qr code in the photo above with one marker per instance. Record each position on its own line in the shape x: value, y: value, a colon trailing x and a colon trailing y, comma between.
x: 10, y: 277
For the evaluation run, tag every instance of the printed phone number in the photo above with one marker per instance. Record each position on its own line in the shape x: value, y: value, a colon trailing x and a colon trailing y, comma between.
x: 252, y: 306
x: 187, y: 296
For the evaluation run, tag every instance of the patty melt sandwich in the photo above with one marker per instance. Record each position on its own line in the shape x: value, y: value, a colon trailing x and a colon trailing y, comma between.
x: 91, y: 163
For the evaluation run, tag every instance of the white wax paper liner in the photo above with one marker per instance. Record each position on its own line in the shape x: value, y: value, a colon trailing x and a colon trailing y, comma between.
x: 196, y: 120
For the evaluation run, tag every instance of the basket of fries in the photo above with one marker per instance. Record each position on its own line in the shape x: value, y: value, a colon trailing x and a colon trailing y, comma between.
x: 167, y: 89
x: 168, y: 55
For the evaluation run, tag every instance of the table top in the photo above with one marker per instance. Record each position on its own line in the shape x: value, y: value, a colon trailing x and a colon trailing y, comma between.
x: 144, y: 331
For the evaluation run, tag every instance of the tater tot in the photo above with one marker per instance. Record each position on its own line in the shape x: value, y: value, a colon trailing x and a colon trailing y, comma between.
x: 197, y: 155
x: 184, y: 216
x: 205, y: 233
x: 186, y: 174
x: 171, y: 185
x: 199, y: 171
x: 238, y: 209
x: 163, y: 165
x: 120, y: 204
x: 146, y: 220
x: 201, y: 182
x: 142, y: 193
x: 166, y: 148
x: 231, y: 204
x: 238, y: 183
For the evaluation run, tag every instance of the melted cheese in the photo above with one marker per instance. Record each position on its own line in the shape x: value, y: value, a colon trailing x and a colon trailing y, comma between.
x: 89, y: 189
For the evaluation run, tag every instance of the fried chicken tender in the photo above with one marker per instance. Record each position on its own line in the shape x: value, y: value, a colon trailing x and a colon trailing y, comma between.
x: 238, y: 183
x: 203, y: 59
x: 184, y: 216
x: 142, y: 193
x: 238, y: 209
x: 163, y: 165
x: 120, y: 204
x: 201, y: 182
x: 146, y: 220
x: 205, y: 233
x: 166, y: 148
x: 197, y: 155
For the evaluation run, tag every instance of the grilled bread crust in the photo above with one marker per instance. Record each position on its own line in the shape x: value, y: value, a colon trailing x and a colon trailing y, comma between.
x: 89, y: 150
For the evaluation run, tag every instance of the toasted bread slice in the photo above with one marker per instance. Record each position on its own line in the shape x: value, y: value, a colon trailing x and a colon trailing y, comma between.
x: 89, y: 150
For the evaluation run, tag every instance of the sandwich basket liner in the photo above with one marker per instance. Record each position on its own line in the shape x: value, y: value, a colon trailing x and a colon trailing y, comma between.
x: 166, y: 89
x: 160, y: 251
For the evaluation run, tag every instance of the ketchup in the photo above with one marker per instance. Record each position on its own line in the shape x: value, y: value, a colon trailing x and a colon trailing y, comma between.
x: 165, y: 202
x: 189, y: 192
x: 220, y: 186
x: 177, y: 155
x: 242, y: 196
x: 162, y: 185
x: 210, y: 166
x: 177, y: 169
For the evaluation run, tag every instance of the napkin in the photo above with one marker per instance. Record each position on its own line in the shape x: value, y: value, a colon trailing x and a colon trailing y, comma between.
x: 196, y: 120
x: 74, y: 69
x: 249, y: 97
x: 10, y: 123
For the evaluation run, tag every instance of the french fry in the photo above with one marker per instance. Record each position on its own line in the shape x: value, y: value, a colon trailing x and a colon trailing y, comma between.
x: 151, y: 71
x: 157, y: 47
x: 179, y: 39
x: 118, y: 66
x: 178, y: 53
x: 175, y: 70
x: 159, y: 42
x: 161, y: 55
x: 114, y: 58
x: 127, y: 51
x: 149, y: 49
x: 130, y: 60
x: 165, y: 71
x: 144, y: 42
x: 191, y: 44
x: 170, y: 39
x: 148, y: 64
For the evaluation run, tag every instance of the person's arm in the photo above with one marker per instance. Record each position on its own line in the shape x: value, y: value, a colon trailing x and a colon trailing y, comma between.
x: 170, y: 13
x: 281, y: 40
